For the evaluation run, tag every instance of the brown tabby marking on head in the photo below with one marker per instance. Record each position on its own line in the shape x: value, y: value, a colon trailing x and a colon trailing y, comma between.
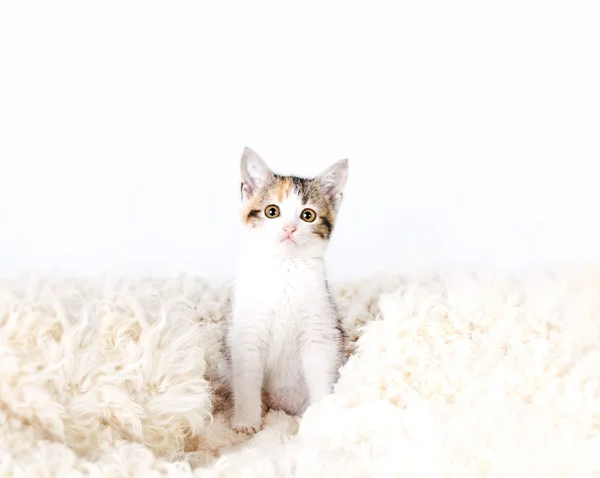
x: 283, y: 187
x: 310, y: 192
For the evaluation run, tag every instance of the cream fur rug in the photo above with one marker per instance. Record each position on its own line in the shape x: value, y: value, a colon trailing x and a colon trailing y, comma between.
x: 453, y: 376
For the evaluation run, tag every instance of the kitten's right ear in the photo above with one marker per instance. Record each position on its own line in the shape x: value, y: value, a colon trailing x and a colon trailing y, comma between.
x: 333, y: 180
x: 255, y: 173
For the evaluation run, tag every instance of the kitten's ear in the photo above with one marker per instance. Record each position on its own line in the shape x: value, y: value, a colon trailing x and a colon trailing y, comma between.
x: 255, y: 173
x: 333, y: 180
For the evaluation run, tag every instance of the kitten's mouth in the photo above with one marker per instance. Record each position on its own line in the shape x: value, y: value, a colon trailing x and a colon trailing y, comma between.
x: 288, y: 240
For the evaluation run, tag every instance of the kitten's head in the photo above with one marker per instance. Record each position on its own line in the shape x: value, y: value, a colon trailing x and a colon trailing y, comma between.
x: 290, y: 215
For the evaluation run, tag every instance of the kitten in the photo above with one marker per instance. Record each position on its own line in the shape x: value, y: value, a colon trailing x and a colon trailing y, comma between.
x: 283, y: 345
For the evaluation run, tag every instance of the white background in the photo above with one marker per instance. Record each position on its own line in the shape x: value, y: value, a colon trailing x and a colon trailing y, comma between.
x: 472, y: 130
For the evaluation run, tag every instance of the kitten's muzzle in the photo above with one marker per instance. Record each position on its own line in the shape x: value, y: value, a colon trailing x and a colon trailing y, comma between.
x: 288, y: 231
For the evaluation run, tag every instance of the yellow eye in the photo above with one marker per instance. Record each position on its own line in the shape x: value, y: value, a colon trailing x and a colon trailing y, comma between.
x: 272, y: 211
x: 308, y: 215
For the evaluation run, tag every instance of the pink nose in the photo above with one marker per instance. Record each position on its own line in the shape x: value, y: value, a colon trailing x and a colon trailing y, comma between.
x: 289, y: 230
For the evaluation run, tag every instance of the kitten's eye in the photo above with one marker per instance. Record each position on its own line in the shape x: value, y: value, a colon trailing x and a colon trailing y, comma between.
x: 308, y: 215
x: 272, y: 211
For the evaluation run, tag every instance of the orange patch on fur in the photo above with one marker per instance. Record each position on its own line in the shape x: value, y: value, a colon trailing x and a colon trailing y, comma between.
x: 283, y: 188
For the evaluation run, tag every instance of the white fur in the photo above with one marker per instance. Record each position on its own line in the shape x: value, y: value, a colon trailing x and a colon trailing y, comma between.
x: 461, y: 376
x: 283, y: 337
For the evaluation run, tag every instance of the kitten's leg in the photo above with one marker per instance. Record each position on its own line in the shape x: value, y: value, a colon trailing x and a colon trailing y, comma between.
x: 321, y: 360
x: 247, y: 378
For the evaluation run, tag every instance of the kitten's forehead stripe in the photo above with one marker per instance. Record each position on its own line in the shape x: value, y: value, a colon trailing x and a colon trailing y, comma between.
x: 283, y: 187
x: 302, y: 188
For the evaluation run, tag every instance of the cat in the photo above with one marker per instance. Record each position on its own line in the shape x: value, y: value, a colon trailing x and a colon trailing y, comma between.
x: 284, y: 342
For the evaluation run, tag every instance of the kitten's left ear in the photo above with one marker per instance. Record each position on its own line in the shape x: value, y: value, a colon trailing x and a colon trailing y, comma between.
x: 333, y: 180
x: 255, y: 173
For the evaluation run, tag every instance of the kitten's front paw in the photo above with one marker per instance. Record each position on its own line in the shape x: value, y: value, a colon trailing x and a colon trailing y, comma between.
x: 245, y: 426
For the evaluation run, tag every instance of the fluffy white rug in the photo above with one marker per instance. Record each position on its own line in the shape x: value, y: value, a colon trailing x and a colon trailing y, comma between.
x: 453, y: 376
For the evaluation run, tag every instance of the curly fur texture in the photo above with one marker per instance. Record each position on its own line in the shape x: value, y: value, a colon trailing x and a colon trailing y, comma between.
x: 457, y: 376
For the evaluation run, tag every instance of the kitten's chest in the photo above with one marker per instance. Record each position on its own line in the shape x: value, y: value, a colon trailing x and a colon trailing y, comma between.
x: 286, y: 287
